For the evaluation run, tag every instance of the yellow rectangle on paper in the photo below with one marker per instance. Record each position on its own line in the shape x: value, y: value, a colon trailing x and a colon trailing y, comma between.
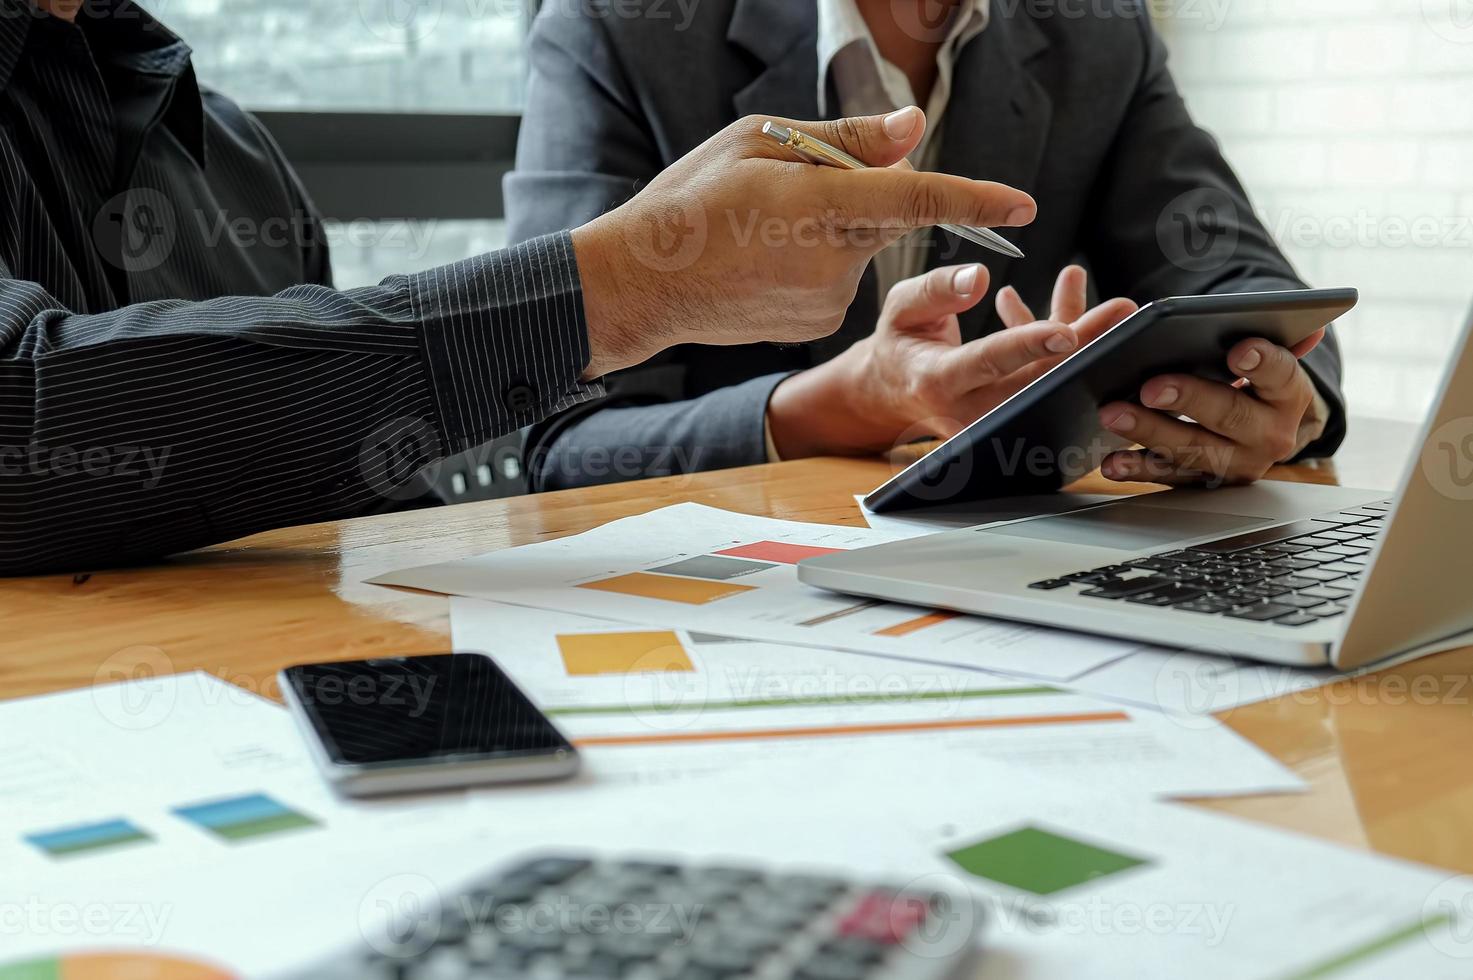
x: 691, y: 591
x: 586, y: 654
x: 915, y: 625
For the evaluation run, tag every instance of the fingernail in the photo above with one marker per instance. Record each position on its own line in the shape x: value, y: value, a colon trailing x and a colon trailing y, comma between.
x: 1021, y: 215
x: 1123, y: 422
x: 964, y: 283
x: 1166, y: 398
x: 901, y: 123
x: 1250, y: 360
x: 1060, y: 343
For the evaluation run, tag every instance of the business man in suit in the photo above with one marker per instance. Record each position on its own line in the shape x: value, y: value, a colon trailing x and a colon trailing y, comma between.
x: 1076, y: 106
x: 163, y: 386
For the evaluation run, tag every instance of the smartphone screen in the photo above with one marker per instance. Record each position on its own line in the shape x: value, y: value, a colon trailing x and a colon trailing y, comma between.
x: 420, y: 709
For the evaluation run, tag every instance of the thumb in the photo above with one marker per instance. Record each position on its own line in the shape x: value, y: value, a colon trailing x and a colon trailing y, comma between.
x: 938, y: 293
x: 879, y: 141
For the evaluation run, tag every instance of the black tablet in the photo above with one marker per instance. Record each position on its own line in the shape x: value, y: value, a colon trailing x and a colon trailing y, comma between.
x: 1048, y: 435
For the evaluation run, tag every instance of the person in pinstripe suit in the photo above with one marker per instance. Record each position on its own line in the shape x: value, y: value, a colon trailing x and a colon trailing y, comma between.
x: 176, y: 370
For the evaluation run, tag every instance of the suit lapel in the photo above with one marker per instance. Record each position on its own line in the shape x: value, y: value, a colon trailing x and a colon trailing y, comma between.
x: 782, y: 35
x: 996, y: 128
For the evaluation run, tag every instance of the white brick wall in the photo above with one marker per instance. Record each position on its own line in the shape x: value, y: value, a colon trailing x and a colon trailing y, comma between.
x: 1351, y: 122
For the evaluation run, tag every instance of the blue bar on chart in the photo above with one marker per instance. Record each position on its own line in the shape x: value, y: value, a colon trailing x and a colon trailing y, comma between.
x: 88, y: 838
x: 245, y: 817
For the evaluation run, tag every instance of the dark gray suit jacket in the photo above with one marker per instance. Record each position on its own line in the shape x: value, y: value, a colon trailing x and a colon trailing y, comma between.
x: 1081, y: 112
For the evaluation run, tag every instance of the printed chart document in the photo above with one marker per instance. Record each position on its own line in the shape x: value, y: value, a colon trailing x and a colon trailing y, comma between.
x: 656, y: 704
x: 709, y: 570
x: 178, y: 820
x: 1078, y: 884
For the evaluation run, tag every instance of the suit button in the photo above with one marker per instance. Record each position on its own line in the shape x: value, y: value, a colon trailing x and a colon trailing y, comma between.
x: 520, y: 397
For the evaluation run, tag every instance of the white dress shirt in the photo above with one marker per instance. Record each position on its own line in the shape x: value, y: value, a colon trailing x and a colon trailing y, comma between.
x: 868, y: 85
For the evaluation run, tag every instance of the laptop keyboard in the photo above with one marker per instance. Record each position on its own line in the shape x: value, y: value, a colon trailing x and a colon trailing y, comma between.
x: 1291, y: 575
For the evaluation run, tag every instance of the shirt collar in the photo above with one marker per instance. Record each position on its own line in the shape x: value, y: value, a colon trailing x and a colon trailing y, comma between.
x: 841, y: 25
x: 126, y: 36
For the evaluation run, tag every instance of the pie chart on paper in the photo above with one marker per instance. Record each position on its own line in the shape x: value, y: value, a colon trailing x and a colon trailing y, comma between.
x: 112, y: 966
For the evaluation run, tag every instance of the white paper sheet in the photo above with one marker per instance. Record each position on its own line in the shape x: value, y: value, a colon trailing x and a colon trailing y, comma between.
x: 734, y: 575
x: 658, y: 705
x: 1211, y: 897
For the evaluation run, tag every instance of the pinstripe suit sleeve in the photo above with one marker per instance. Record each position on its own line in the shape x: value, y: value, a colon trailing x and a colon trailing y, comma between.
x: 169, y: 425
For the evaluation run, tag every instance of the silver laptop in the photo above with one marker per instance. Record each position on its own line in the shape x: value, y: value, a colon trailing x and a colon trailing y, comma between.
x: 1289, y: 573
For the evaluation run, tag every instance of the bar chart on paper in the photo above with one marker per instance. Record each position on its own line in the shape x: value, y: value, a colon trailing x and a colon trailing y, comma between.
x: 649, y: 704
x: 711, y: 571
x: 112, y: 966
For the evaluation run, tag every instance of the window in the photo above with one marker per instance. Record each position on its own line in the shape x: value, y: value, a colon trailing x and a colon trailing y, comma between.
x: 410, y: 186
x: 382, y: 55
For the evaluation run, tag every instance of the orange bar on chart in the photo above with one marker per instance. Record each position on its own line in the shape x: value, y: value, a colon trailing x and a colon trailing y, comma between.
x: 589, y: 654
x: 829, y: 731
x: 915, y: 625
x: 783, y: 554
x: 691, y: 591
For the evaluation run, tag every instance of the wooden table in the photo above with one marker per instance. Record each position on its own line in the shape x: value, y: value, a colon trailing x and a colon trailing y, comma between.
x: 1388, y: 756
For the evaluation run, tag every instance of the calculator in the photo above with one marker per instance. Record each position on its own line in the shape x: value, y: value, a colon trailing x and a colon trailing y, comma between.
x: 564, y: 917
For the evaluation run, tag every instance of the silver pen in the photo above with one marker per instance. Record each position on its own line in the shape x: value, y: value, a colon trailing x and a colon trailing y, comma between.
x: 817, y: 151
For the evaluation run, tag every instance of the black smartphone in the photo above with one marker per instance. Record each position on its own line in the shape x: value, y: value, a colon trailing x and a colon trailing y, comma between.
x: 1048, y: 435
x: 403, y: 724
